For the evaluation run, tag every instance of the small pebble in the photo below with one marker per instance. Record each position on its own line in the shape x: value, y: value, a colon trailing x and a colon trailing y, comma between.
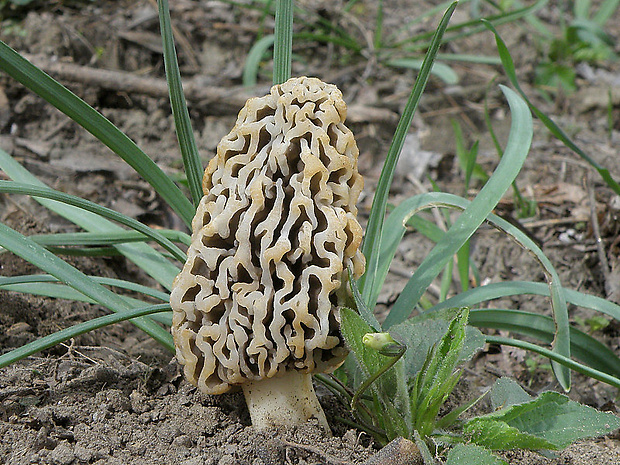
x: 62, y: 454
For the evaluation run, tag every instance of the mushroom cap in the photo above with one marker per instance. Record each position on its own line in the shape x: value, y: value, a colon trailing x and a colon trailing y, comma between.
x: 272, y: 237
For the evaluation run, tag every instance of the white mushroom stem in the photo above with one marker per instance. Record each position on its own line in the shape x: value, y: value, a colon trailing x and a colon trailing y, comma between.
x: 285, y: 400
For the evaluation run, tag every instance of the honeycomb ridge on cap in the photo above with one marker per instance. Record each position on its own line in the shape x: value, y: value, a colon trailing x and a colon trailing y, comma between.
x: 272, y: 237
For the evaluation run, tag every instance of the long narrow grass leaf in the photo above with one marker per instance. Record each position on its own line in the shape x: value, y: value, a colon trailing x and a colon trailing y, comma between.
x: 12, y: 187
x: 556, y: 358
x: 473, y: 26
x: 606, y: 11
x: 61, y: 291
x: 509, y: 67
x: 7, y: 281
x: 37, y: 255
x: 467, y: 223
x: 506, y: 289
x: 111, y: 238
x: 143, y: 255
x: 283, y: 45
x: 182, y: 123
x: 395, y: 227
x: 98, y: 125
x: 584, y: 347
x: 372, y: 238
x: 81, y: 328
x: 254, y: 58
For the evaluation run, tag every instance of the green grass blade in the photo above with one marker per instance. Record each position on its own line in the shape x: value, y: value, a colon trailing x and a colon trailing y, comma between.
x: 372, y: 237
x: 143, y: 255
x: 473, y: 26
x: 395, y: 225
x: 101, y: 239
x: 99, y: 126
x: 606, y: 11
x: 464, y: 58
x: 583, y: 346
x: 12, y: 187
x: 557, y: 359
x: 47, y: 286
x: 509, y: 67
x: 27, y: 249
x: 283, y: 44
x: 498, y: 290
x: 255, y: 56
x: 439, y: 70
x: 81, y: 328
x: 182, y: 123
x: 6, y: 283
x: 61, y: 291
x: 517, y: 149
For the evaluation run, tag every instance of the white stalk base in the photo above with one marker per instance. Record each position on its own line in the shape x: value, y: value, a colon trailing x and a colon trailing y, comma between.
x: 285, y: 400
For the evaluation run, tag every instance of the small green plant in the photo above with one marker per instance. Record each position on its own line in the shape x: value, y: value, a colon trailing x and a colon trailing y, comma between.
x: 582, y: 39
x: 422, y: 371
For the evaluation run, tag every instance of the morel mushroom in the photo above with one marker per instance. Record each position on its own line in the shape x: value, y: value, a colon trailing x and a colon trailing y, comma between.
x: 256, y: 304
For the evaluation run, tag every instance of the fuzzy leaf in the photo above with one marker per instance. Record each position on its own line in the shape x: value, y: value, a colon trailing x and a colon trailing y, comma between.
x: 421, y: 332
x: 470, y: 454
x: 551, y: 421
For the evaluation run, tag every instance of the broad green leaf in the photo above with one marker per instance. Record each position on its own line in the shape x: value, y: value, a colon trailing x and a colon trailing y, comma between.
x: 498, y: 435
x: 422, y: 332
x: 98, y: 125
x: 364, y: 311
x: 372, y: 237
x: 30, y: 251
x: 353, y: 329
x: 143, y: 255
x: 74, y: 331
x: 551, y: 421
x: 389, y: 391
x: 471, y: 454
x: 506, y: 392
x: 434, y: 382
x: 185, y: 134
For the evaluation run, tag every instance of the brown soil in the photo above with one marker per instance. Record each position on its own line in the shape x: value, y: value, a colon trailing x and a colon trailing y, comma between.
x: 115, y: 396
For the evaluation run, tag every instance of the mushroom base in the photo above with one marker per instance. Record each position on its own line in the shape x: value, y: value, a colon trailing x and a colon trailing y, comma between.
x: 285, y: 400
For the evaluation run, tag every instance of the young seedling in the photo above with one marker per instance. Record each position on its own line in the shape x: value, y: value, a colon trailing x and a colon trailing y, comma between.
x: 256, y: 304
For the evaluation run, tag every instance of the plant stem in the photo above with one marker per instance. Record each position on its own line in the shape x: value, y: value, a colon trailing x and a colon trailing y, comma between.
x: 283, y: 45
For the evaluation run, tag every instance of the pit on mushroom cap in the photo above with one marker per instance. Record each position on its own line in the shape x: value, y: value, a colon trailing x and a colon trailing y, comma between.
x: 255, y: 304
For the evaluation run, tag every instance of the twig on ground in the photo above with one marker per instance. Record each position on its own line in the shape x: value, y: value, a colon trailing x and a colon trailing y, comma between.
x: 326, y: 458
x: 211, y: 100
x: 596, y: 231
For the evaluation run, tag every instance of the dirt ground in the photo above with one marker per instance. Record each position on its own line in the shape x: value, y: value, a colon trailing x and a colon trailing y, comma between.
x: 114, y: 396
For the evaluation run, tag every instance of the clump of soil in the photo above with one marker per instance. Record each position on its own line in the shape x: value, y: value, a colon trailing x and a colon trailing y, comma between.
x: 95, y: 405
